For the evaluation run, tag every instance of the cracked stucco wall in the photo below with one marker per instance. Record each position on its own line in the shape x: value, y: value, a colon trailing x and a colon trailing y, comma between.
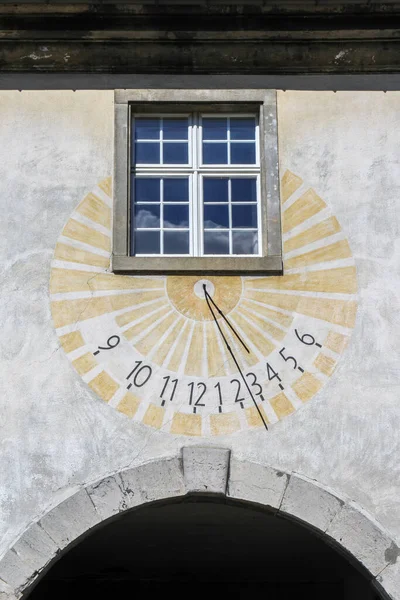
x: 56, y: 435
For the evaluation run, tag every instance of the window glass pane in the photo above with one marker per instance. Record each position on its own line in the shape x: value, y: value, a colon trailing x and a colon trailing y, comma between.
x: 147, y: 215
x: 147, y: 153
x: 244, y: 215
x: 215, y: 129
x: 147, y: 129
x: 244, y: 190
x: 215, y: 189
x: 175, y: 129
x: 146, y: 242
x: 243, y: 128
x: 176, y: 215
x: 215, y: 154
x: 216, y: 216
x: 243, y: 153
x: 176, y: 242
x: 176, y: 189
x: 147, y: 189
x: 175, y: 153
x: 244, y: 242
x: 216, y: 242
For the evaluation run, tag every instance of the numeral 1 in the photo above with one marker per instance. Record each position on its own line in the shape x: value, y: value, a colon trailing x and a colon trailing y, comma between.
x: 218, y: 387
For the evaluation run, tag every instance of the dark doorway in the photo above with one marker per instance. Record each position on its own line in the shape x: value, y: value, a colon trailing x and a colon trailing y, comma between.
x: 202, y: 548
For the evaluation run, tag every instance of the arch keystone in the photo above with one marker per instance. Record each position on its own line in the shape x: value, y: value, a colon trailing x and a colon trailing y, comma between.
x: 206, y: 469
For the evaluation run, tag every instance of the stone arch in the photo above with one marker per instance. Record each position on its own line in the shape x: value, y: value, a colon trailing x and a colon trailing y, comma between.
x: 203, y: 470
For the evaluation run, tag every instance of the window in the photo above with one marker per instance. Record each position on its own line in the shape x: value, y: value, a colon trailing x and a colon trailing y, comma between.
x: 196, y: 183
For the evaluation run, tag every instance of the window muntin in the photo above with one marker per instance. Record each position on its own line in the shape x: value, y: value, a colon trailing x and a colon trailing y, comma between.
x: 195, y: 185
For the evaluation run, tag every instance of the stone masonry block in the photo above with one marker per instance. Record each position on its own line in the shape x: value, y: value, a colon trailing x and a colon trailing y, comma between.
x: 206, y: 469
x: 70, y: 519
x: 256, y: 483
x: 14, y: 571
x: 36, y: 548
x: 389, y: 579
x: 108, y: 496
x: 153, y: 481
x: 305, y: 500
x: 356, y: 531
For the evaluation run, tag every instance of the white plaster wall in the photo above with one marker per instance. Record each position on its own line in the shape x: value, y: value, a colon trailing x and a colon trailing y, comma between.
x: 56, y: 435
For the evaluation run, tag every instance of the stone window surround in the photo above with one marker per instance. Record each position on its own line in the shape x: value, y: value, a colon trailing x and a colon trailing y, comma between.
x: 271, y: 260
x: 208, y: 471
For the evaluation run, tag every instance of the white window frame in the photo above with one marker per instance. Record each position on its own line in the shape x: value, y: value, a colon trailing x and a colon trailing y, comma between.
x: 259, y: 103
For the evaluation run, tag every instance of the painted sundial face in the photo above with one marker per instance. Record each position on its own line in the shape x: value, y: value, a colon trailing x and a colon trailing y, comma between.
x: 150, y: 347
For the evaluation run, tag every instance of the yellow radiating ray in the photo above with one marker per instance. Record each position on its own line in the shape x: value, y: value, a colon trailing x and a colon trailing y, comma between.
x: 274, y: 315
x: 289, y: 184
x: 340, y: 281
x: 104, y: 385
x: 224, y: 423
x: 143, y: 325
x: 308, y: 205
x: 69, y: 280
x: 264, y: 345
x: 215, y: 359
x: 72, y: 254
x: 106, y: 186
x: 137, y: 313
x: 317, y: 232
x: 336, y: 341
x: 83, y: 233
x: 177, y: 355
x: 96, y: 210
x: 186, y: 424
x: 277, y: 334
x: 85, y: 363
x: 245, y: 359
x: 325, y: 364
x: 339, y: 312
x: 194, y: 362
x: 72, y: 341
x: 154, y: 416
x: 335, y: 251
x: 146, y: 344
x: 237, y: 349
x: 162, y: 351
x: 281, y: 405
x: 129, y: 405
x: 306, y: 386
x: 253, y: 418
x: 66, y: 312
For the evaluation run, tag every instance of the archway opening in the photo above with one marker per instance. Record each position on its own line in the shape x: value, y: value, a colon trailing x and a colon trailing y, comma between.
x: 203, y: 547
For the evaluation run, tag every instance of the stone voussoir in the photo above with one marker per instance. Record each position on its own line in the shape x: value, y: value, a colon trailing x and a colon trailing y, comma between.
x: 256, y: 483
x: 389, y: 579
x: 363, y: 537
x: 153, y: 481
x: 310, y: 502
x: 109, y: 496
x: 206, y: 469
x: 70, y: 519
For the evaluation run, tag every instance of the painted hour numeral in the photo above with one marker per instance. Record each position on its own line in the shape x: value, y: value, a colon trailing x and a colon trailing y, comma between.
x: 112, y: 342
x: 238, y: 398
x: 307, y: 339
x: 196, y: 402
x: 142, y: 374
x: 272, y: 374
x: 218, y: 387
x: 167, y: 389
x: 292, y: 358
x: 256, y: 385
